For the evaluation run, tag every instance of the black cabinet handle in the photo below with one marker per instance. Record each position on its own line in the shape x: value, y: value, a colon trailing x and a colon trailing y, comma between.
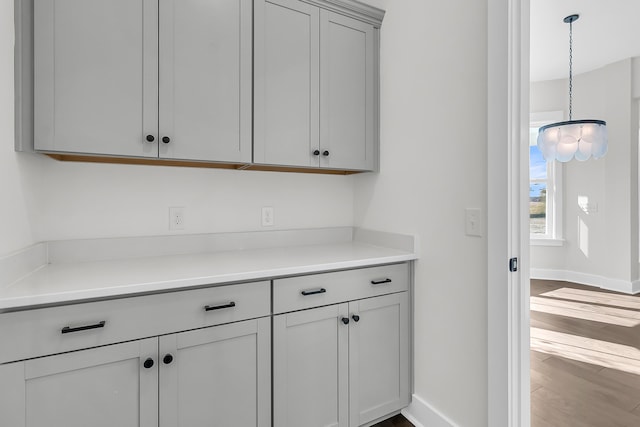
x: 219, y: 307
x: 355, y: 318
x: 150, y: 138
x: 316, y: 152
x: 379, y: 282
x: 166, y: 139
x: 148, y: 363
x: 68, y: 329
x: 315, y: 291
x: 325, y: 153
x: 167, y: 359
x: 345, y: 320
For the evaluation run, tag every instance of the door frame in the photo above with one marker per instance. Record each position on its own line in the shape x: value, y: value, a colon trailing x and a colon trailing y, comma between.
x: 507, y: 181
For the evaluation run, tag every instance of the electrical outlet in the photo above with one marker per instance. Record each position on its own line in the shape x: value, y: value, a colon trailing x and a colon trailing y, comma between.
x: 267, y: 216
x: 176, y: 218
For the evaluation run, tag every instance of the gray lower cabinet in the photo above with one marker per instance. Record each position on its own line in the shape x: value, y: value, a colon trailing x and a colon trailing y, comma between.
x: 342, y: 365
x: 314, y: 86
x: 328, y: 349
x: 310, y: 368
x: 213, y: 376
x: 218, y: 376
x: 379, y: 366
x: 101, y: 387
x: 143, y: 78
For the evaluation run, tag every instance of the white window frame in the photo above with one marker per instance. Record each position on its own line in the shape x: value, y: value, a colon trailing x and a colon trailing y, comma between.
x: 553, y: 235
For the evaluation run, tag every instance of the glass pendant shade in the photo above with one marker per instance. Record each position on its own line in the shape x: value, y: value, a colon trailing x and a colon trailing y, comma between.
x: 579, y: 139
x: 574, y: 139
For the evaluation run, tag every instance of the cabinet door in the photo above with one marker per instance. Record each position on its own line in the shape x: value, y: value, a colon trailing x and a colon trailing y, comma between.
x: 286, y: 99
x: 346, y: 92
x: 205, y: 79
x: 378, y: 357
x: 218, y: 376
x: 310, y: 362
x: 102, y: 387
x: 95, y: 76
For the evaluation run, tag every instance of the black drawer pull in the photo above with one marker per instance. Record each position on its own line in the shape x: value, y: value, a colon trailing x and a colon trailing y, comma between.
x: 314, y: 292
x: 380, y: 282
x: 67, y: 329
x: 219, y: 307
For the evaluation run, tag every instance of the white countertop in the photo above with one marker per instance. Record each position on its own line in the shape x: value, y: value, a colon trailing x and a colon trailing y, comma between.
x: 60, y: 283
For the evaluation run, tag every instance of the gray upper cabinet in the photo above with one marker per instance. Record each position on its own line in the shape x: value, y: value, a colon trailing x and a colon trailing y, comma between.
x: 95, y: 76
x: 284, y: 83
x: 205, y: 80
x: 169, y: 79
x: 346, y: 92
x: 315, y: 87
x: 287, y: 85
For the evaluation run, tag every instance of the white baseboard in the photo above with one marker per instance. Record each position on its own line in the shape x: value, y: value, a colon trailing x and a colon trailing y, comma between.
x: 602, y: 282
x: 422, y: 414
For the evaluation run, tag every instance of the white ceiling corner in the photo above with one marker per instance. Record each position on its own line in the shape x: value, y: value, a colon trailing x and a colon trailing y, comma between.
x: 607, y: 31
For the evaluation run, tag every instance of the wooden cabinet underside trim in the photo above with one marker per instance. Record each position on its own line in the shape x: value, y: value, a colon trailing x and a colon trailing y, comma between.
x: 181, y: 163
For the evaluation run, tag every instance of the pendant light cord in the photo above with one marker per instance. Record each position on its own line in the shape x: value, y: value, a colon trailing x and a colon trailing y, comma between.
x: 570, y: 70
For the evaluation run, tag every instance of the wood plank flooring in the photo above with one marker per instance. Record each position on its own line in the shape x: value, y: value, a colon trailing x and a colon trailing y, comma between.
x: 397, y: 421
x: 585, y: 356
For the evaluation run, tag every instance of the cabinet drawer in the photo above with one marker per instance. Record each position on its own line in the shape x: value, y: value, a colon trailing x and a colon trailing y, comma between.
x: 33, y: 333
x: 297, y: 293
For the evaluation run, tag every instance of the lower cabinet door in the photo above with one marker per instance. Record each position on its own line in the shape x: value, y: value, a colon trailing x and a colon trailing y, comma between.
x: 310, y: 363
x: 218, y: 376
x: 378, y: 357
x: 114, y: 385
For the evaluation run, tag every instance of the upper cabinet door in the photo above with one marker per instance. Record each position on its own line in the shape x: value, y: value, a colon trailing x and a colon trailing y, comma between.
x: 286, y: 99
x: 205, y: 80
x: 347, y: 102
x: 95, y: 76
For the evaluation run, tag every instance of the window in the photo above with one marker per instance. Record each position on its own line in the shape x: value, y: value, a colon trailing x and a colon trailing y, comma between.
x: 545, y: 185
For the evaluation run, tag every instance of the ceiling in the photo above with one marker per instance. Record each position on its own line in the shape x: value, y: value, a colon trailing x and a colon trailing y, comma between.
x: 606, y: 32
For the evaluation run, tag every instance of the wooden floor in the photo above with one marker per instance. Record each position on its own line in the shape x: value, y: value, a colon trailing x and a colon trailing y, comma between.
x: 397, y: 421
x: 585, y: 356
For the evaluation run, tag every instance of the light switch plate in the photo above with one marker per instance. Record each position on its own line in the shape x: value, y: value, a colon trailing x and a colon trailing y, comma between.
x: 473, y: 222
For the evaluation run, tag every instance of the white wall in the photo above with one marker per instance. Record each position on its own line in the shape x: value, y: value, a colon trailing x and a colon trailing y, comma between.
x: 433, y: 165
x: 15, y: 226
x: 600, y: 244
x: 43, y: 199
x: 99, y: 200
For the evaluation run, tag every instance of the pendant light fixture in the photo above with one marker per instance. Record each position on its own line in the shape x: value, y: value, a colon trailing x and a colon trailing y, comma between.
x: 581, y: 139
